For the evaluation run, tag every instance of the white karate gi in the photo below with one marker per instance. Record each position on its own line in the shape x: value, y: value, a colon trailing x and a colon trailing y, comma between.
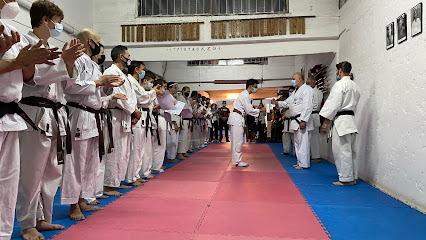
x: 185, y: 136
x: 344, y: 96
x: 287, y: 137
x: 159, y: 149
x: 40, y: 174
x: 237, y: 123
x: 116, y: 162
x: 300, y: 102
x: 81, y: 166
x: 11, y: 84
x: 144, y: 100
x: 172, y: 136
x: 315, y: 118
x: 148, y: 149
x: 196, y: 129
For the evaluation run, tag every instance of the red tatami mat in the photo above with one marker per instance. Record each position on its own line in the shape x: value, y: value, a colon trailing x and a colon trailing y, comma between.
x: 206, y: 198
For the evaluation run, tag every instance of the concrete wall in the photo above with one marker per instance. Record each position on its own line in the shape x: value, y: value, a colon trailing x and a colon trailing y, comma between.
x: 321, y: 33
x: 391, y: 115
x: 78, y: 14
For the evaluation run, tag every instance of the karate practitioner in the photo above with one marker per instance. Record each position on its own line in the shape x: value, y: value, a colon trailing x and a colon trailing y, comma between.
x: 84, y: 102
x: 124, y: 114
x: 173, y: 127
x: 183, y: 146
x: 42, y: 154
x: 149, y: 124
x: 196, y: 100
x: 160, y: 134
x: 287, y: 137
x: 15, y: 55
x: 144, y: 100
x: 315, y: 118
x: 339, y: 109
x: 300, y: 106
x: 242, y: 107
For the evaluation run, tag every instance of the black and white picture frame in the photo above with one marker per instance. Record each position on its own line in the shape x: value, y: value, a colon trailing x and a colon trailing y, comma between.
x: 417, y: 20
x: 401, y: 24
x: 390, y: 36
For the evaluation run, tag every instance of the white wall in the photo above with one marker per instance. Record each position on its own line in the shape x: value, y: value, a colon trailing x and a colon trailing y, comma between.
x: 78, y: 14
x: 321, y: 33
x: 392, y: 111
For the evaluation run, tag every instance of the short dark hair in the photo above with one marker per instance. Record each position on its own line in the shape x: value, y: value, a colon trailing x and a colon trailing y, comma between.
x: 223, y: 102
x: 134, y: 65
x: 251, y: 82
x: 185, y: 88
x: 41, y: 8
x: 292, y: 88
x: 194, y: 93
x: 345, y: 66
x: 159, y: 82
x: 150, y: 75
x: 116, y: 51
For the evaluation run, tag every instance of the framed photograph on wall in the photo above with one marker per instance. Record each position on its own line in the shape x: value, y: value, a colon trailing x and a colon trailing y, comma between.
x: 417, y: 20
x: 390, y: 35
x: 401, y: 24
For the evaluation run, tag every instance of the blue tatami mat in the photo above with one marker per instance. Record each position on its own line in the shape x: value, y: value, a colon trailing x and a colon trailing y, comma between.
x: 359, y: 212
x: 60, y: 212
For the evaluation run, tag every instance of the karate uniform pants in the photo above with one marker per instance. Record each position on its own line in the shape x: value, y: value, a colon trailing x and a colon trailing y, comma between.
x: 315, y: 144
x: 80, y: 170
x: 190, y: 146
x: 301, y: 143
x: 159, y: 150
x: 172, y: 142
x: 196, y: 135
x: 287, y: 139
x: 39, y: 180
x: 9, y: 179
x: 147, y: 156
x: 183, y: 145
x: 137, y: 148
x: 237, y: 139
x: 344, y: 155
x: 116, y: 162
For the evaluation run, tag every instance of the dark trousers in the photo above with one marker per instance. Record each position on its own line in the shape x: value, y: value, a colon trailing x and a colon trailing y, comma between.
x: 213, y: 132
x: 223, y: 124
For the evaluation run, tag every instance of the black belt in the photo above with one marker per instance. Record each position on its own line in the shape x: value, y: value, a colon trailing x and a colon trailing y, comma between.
x: 237, y: 111
x: 156, y: 113
x: 147, y: 121
x: 342, y: 113
x: 98, y: 125
x: 47, y: 103
x: 315, y: 112
x: 12, y: 108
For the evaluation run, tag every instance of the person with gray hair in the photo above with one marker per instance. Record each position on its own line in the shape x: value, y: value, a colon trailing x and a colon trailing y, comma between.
x: 300, y: 106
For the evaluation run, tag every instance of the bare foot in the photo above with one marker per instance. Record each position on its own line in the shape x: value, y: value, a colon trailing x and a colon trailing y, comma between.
x: 86, y: 208
x: 299, y: 167
x: 45, y: 226
x: 150, y: 176
x: 172, y: 160
x: 316, y: 160
x: 186, y: 155
x: 141, y: 180
x: 124, y: 187
x: 109, y: 191
x: 103, y: 197
x: 31, y: 234
x: 190, y: 151
x: 95, y: 202
x: 136, y: 184
x: 296, y: 165
x: 181, y: 157
x: 163, y: 167
x: 345, y: 183
x: 75, y: 213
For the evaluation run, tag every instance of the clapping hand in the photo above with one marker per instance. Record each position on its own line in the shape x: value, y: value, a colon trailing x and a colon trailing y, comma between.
x: 6, y: 42
x: 74, y: 51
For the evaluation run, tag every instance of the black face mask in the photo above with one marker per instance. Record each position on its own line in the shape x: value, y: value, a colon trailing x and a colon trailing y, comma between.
x: 128, y: 62
x: 101, y: 60
x: 95, y: 51
x: 187, y: 94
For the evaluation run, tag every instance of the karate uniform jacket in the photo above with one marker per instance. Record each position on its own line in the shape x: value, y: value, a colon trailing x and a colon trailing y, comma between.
x: 242, y: 104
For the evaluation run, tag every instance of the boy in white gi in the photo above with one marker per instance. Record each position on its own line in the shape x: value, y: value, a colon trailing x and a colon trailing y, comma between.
x: 160, y: 134
x: 242, y: 107
x: 173, y: 127
x: 340, y: 110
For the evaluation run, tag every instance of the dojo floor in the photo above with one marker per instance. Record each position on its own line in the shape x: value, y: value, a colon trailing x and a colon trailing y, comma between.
x: 205, y: 198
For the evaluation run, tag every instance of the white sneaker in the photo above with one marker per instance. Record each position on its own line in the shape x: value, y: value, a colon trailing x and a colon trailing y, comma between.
x: 242, y: 164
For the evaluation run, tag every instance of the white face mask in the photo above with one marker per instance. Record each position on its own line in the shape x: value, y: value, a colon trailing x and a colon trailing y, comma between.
x: 57, y: 31
x: 10, y: 10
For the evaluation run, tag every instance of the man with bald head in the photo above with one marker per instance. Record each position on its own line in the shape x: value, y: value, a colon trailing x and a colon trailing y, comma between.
x: 300, y: 106
x: 84, y: 101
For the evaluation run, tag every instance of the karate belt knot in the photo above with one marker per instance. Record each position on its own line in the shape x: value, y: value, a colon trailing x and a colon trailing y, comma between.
x: 147, y: 121
x: 98, y: 126
x: 341, y: 113
x: 156, y: 113
x: 239, y: 112
x: 289, y: 119
x: 47, y: 103
x: 13, y: 108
